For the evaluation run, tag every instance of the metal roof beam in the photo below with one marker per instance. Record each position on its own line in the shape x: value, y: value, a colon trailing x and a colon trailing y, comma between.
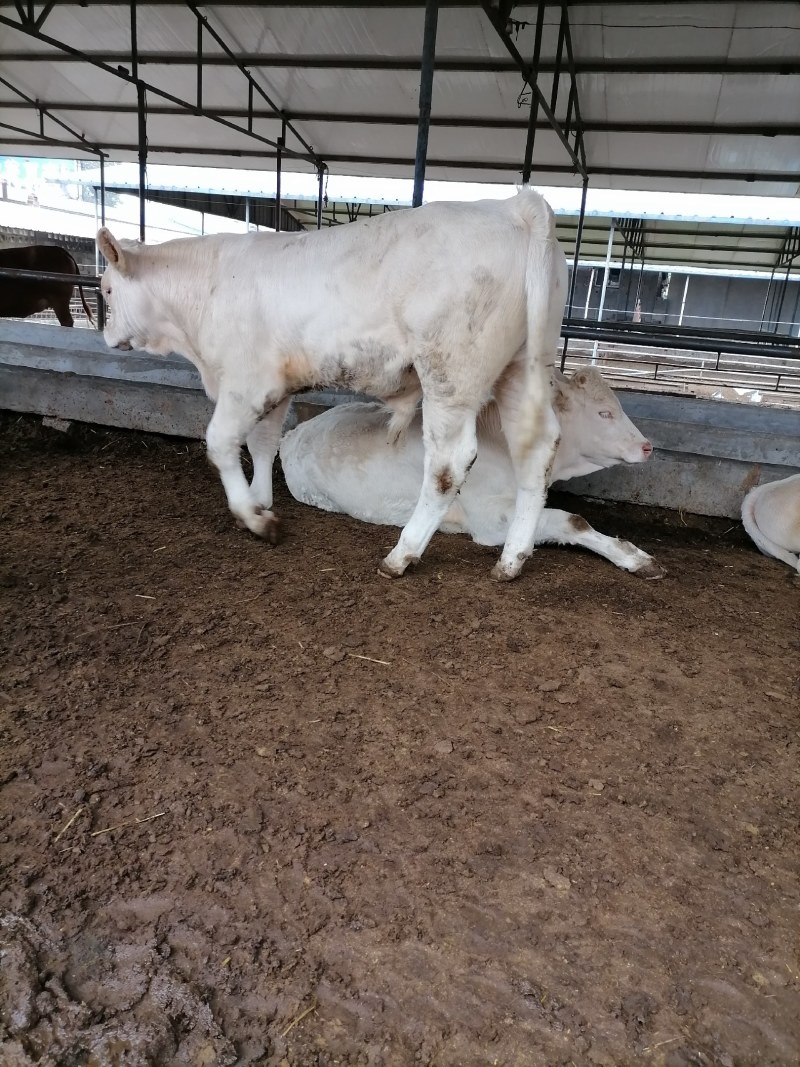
x: 122, y: 73
x: 374, y: 3
x: 737, y: 129
x: 769, y: 177
x: 530, y: 76
x: 28, y: 103
x: 456, y: 64
x: 203, y: 22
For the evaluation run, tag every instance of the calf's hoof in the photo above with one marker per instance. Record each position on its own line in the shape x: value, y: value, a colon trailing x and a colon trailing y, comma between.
x: 650, y: 571
x: 263, y: 524
x: 388, y: 568
x: 503, y: 573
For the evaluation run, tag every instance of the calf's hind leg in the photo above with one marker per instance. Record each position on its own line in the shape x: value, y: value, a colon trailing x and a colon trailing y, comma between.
x: 232, y: 423
x: 524, y: 399
x: 450, y: 450
x: 262, y: 443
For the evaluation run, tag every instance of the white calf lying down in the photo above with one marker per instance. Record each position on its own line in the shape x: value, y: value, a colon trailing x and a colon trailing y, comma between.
x: 771, y: 515
x: 345, y: 459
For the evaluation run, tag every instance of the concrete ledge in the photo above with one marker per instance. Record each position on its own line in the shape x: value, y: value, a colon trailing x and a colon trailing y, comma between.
x: 709, y: 453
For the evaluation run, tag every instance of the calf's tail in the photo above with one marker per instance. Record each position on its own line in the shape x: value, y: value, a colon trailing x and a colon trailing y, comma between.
x: 767, y: 546
x: 546, y: 291
x: 89, y: 315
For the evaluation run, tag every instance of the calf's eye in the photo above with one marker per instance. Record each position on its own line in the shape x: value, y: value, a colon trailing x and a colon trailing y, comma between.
x: 606, y: 414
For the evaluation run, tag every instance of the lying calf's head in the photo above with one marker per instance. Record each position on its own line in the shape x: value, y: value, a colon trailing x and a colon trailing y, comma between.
x: 595, y: 431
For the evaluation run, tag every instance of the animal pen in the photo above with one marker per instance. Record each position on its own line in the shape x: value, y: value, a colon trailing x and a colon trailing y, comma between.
x: 260, y: 806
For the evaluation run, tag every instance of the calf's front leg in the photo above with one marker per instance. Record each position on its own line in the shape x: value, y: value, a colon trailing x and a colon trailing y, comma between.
x: 232, y: 423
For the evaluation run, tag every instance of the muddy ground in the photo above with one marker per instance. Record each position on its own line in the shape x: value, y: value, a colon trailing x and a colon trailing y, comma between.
x: 262, y: 806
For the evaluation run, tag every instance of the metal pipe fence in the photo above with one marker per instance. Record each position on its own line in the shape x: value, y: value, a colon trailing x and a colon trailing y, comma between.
x: 739, y: 366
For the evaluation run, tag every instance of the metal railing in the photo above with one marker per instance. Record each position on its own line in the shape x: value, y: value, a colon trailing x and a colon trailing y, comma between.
x: 739, y: 365
x: 85, y: 281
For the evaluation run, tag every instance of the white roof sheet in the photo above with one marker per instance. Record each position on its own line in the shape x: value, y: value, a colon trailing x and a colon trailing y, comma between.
x: 704, y: 69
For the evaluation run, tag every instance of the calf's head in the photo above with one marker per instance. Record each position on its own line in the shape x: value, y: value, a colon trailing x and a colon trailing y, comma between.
x: 130, y: 290
x: 595, y: 431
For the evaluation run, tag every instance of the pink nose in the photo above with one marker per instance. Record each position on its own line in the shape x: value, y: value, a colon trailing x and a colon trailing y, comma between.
x: 647, y: 448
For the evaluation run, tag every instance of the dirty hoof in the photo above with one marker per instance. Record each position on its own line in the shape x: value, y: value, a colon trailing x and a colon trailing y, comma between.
x: 388, y: 570
x: 266, y: 526
x: 501, y: 573
x: 650, y: 571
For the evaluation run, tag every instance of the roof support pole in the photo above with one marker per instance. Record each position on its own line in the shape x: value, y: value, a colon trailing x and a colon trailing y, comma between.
x: 683, y: 301
x: 794, y: 313
x: 604, y: 285
x: 766, y: 298
x: 784, y: 285
x: 142, y: 108
x: 589, y: 288
x: 102, y: 190
x: 281, y: 143
x: 199, y: 64
x: 534, y: 111
x: 574, y: 278
x: 637, y: 306
x: 101, y: 307
x: 425, y: 97
x: 321, y: 175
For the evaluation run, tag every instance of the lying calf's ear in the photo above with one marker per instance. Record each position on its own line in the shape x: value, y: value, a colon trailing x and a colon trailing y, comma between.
x: 110, y: 248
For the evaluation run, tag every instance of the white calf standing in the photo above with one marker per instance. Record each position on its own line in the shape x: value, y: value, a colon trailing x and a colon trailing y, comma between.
x: 771, y: 515
x: 466, y: 298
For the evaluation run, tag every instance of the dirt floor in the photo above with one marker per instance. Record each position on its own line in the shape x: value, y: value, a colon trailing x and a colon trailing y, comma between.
x: 262, y: 806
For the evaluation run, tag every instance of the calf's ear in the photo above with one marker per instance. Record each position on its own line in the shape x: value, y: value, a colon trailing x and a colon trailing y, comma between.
x: 110, y: 247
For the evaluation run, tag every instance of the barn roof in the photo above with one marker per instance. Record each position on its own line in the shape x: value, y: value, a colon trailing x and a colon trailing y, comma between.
x: 668, y: 96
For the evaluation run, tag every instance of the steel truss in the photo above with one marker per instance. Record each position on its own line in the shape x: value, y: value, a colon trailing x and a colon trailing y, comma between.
x: 31, y: 23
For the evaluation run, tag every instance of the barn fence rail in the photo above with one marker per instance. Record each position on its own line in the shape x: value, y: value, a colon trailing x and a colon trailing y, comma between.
x: 737, y: 365
x: 734, y: 365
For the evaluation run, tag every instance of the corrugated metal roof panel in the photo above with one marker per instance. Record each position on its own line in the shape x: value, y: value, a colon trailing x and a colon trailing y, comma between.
x: 608, y: 39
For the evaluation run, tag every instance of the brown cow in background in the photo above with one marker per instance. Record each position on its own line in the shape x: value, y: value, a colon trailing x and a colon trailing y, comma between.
x: 22, y: 297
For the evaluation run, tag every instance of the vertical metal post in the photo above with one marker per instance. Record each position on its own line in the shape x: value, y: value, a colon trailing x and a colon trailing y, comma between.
x: 641, y: 279
x: 605, y: 284
x: 96, y: 228
x: 784, y: 285
x: 683, y: 299
x: 589, y: 294
x: 574, y: 277
x: 281, y: 143
x: 533, y: 116
x: 199, y: 63
x: 321, y: 173
x: 794, y: 313
x: 101, y: 306
x: 578, y: 237
x: 134, y: 43
x: 766, y: 298
x: 425, y: 97
x: 142, y: 119
x: 247, y: 214
x: 141, y: 107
